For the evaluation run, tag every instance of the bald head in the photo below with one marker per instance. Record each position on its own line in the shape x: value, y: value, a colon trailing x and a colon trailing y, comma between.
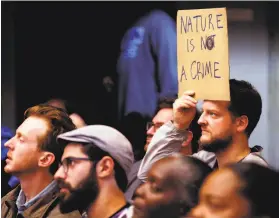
x: 172, y: 187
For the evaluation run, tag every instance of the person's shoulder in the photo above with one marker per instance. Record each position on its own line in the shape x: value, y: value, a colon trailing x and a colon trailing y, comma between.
x: 5, y: 197
x: 135, y: 168
x: 11, y: 195
x: 255, y: 157
x: 204, y: 155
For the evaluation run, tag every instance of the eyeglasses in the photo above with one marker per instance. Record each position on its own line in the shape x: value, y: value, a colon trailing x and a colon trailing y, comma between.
x: 155, y: 125
x: 68, y: 161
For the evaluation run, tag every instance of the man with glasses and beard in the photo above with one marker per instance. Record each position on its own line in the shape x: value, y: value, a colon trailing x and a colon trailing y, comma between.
x: 163, y: 115
x: 93, y: 172
x: 226, y: 127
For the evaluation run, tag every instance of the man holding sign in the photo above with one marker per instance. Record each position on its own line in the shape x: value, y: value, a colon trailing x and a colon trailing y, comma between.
x: 226, y: 127
x: 231, y: 109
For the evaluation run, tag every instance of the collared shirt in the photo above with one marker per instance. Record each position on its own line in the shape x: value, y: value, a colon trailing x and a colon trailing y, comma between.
x: 21, y: 199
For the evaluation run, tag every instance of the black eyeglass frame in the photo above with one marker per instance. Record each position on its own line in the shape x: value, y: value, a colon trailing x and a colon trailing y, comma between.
x: 155, y: 125
x: 67, y: 161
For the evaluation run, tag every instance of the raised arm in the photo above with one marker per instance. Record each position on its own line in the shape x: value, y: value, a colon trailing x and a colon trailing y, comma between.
x: 168, y: 139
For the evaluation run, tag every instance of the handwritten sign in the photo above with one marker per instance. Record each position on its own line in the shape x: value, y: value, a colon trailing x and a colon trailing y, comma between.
x: 202, y: 53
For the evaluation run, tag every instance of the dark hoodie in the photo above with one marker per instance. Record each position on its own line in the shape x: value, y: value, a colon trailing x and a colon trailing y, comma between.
x: 147, y: 65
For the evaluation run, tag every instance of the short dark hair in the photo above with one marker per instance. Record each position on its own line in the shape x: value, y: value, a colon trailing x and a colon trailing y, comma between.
x: 245, y: 100
x: 260, y: 187
x: 193, y: 182
x: 166, y: 102
x: 96, y: 154
x: 58, y: 122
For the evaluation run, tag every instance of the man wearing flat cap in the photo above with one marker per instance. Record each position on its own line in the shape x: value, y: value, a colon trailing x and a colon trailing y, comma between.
x: 93, y: 172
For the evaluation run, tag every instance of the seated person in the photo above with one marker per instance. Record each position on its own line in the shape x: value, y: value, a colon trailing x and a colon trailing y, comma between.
x: 239, y: 190
x: 171, y: 189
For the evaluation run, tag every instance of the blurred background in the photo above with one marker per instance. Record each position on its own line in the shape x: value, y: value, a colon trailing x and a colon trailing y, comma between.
x: 64, y: 49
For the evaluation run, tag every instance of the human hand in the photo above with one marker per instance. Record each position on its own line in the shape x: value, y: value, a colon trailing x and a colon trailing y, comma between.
x: 184, y: 110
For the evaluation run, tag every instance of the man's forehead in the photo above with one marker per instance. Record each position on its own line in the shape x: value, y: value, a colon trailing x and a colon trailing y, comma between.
x: 224, y: 179
x: 163, y: 115
x: 73, y: 149
x: 173, y: 178
x: 32, y: 125
x: 207, y: 104
x: 165, y: 169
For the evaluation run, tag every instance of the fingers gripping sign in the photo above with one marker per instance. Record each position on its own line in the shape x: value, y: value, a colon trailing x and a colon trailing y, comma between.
x: 184, y: 110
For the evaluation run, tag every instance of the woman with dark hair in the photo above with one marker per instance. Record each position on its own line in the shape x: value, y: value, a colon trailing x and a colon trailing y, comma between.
x: 237, y: 191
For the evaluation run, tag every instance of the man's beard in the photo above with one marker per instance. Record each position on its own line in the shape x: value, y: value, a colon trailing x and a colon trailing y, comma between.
x: 217, y: 145
x: 81, y: 197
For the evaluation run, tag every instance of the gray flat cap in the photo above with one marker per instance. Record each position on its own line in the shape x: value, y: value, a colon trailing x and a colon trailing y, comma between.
x: 107, y: 139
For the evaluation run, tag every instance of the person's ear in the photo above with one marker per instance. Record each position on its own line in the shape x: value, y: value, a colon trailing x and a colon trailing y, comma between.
x: 186, y: 147
x: 46, y: 159
x: 105, y: 167
x: 188, y: 140
x: 242, y: 123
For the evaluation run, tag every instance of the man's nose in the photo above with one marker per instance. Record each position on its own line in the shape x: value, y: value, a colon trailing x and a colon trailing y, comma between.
x: 151, y: 131
x: 60, y: 174
x: 140, y: 191
x: 202, y: 120
x: 9, y: 143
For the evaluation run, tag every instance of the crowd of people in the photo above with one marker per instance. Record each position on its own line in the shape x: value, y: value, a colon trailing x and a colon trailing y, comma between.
x: 196, y: 164
x: 90, y: 171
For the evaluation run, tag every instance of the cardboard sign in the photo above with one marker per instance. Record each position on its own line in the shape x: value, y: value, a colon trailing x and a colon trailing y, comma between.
x: 202, y: 53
